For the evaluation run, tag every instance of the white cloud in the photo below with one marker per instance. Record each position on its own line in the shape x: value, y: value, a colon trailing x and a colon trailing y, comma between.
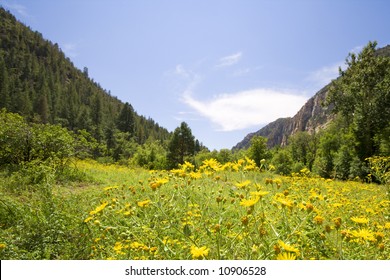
x: 70, y: 49
x: 241, y: 72
x: 229, y: 60
x: 324, y: 75
x: 246, y: 108
x: 179, y: 70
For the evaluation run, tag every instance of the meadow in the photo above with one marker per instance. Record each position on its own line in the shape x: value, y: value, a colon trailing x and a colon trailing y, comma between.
x: 230, y: 211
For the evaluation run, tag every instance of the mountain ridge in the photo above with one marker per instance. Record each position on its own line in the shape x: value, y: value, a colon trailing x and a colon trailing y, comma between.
x: 41, y: 84
x: 312, y: 117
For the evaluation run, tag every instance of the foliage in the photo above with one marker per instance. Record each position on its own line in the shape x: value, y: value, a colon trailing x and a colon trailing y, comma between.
x: 181, y: 146
x: 38, y: 82
x: 258, y: 149
x: 218, y: 211
x: 380, y: 168
x: 362, y: 96
x: 303, y: 148
x: 282, y: 162
x: 20, y: 142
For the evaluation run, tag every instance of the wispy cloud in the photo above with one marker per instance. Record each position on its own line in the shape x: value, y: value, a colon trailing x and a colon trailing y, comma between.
x: 70, y: 49
x: 14, y: 7
x: 180, y: 71
x: 324, y: 75
x: 245, y: 109
x: 229, y: 60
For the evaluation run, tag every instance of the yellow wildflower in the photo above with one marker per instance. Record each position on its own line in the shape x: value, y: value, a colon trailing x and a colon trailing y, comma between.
x: 364, y: 234
x: 99, y: 208
x: 118, y: 247
x: 88, y: 219
x: 319, y: 219
x: 387, y: 226
x: 259, y: 193
x: 337, y: 222
x: 110, y: 188
x: 288, y: 247
x: 360, y: 220
x: 284, y: 201
x: 199, y: 252
x: 158, y: 183
x: 249, y: 202
x: 186, y: 166
x: 144, y: 203
x: 195, y: 175
x: 242, y: 185
x: 286, y: 256
x: 2, y: 246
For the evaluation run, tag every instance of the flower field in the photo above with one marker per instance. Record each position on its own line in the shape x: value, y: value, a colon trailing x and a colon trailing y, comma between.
x: 232, y: 211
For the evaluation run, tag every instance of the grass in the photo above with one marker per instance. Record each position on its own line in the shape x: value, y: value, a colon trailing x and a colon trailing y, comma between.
x: 231, y: 211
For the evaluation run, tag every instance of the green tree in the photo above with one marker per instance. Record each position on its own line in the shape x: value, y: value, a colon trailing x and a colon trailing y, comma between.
x: 303, y: 148
x: 282, y: 161
x: 258, y: 149
x: 181, y: 145
x: 126, y: 121
x: 362, y: 96
x: 5, y: 99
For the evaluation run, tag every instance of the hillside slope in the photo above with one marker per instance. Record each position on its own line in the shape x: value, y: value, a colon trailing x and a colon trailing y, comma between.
x: 40, y: 83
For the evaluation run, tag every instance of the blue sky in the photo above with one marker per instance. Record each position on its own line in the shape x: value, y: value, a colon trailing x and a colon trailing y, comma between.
x: 226, y: 68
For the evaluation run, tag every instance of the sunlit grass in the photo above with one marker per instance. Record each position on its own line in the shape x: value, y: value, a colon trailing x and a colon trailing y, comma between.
x: 231, y: 211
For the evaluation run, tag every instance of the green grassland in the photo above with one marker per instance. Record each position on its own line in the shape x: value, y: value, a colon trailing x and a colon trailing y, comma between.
x: 230, y: 211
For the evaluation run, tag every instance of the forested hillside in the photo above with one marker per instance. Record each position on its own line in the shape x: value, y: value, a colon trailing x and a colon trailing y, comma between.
x: 41, y: 84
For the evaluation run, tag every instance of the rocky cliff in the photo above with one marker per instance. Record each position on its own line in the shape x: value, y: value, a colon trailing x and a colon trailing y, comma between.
x: 313, y: 116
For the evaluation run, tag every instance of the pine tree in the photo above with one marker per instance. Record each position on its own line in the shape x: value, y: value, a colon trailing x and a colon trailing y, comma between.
x: 126, y: 121
x: 181, y: 145
x: 4, y: 86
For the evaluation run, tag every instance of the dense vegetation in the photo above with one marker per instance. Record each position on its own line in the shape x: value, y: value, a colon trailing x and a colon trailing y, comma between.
x: 75, y: 183
x: 39, y: 83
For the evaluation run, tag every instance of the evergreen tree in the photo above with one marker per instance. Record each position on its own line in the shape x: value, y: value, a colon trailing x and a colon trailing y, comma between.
x: 126, y: 120
x: 5, y: 99
x: 181, y: 145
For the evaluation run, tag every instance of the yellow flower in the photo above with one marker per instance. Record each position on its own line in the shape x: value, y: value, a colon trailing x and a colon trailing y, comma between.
x: 144, y: 203
x: 195, y: 175
x: 2, y: 246
x: 199, y: 252
x: 319, y: 220
x: 118, y: 247
x: 360, y: 220
x: 186, y: 166
x: 337, y: 222
x: 88, y: 219
x: 98, y: 209
x: 288, y: 247
x: 109, y: 188
x: 158, y: 183
x: 286, y: 256
x: 387, y: 226
x: 249, y: 202
x: 284, y: 201
x: 259, y: 193
x: 242, y: 185
x: 364, y: 234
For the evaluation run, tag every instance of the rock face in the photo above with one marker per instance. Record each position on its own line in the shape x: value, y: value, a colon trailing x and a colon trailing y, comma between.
x: 313, y: 116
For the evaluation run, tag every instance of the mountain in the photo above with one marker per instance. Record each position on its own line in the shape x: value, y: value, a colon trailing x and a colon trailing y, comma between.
x: 313, y: 116
x: 40, y: 83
